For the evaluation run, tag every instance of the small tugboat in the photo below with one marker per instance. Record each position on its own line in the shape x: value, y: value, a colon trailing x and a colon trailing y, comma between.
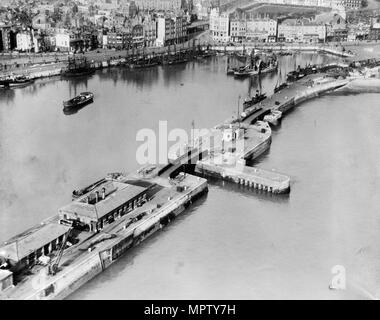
x: 79, y: 101
x: 273, y: 117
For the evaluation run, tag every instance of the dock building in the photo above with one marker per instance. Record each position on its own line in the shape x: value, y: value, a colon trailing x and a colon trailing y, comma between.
x: 103, y: 205
x: 25, y: 249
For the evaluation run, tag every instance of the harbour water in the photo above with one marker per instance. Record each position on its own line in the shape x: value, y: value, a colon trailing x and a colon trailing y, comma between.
x: 234, y: 243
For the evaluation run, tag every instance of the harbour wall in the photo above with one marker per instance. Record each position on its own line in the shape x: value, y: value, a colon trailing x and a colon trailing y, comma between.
x: 310, y: 93
x: 254, y: 178
x: 279, y: 47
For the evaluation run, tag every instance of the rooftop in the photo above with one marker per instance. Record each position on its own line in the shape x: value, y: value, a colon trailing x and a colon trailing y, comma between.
x: 4, y: 274
x: 121, y: 193
x: 22, y: 245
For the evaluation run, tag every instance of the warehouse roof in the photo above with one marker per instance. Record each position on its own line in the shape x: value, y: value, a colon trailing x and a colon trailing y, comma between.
x: 22, y: 245
x: 123, y: 193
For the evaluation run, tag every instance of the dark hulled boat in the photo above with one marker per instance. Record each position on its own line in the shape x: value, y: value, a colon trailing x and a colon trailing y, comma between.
x: 79, y: 101
x: 258, y: 97
x: 280, y: 87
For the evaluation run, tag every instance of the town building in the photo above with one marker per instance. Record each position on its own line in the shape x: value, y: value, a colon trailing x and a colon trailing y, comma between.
x: 24, y: 41
x: 219, y: 25
x: 374, y: 31
x: 8, y: 41
x: 352, y: 4
x: 202, y: 9
x: 138, y: 36
x: 159, y: 5
x: 117, y: 40
x: 301, y: 30
x: 336, y: 26
x: 238, y: 30
x: 62, y: 42
x: 171, y: 30
x: 263, y: 30
x: 40, y: 21
x: 165, y: 31
x: 103, y: 205
x: 150, y: 32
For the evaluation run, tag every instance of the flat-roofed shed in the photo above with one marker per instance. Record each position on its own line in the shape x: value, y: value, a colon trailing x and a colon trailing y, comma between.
x: 33, y: 243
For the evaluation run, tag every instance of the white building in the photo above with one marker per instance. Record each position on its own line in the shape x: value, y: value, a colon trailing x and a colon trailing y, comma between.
x: 219, y: 25
x: 165, y: 31
x: 24, y: 41
x: 261, y: 29
x: 171, y: 30
x: 62, y: 41
x: 293, y: 30
x: 238, y: 29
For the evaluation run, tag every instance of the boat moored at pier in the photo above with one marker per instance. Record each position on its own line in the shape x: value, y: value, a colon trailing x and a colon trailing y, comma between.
x: 14, y: 81
x: 273, y: 117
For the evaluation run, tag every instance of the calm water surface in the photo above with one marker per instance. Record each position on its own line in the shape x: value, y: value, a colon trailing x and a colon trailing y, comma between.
x: 233, y: 243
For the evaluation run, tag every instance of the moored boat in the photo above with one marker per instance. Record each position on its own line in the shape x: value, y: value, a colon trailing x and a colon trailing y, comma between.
x: 273, y: 117
x: 280, y: 87
x: 258, y: 97
x: 14, y: 81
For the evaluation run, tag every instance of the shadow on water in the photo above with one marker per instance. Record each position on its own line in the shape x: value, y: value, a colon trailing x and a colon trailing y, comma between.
x: 247, y: 191
x: 173, y: 73
x: 73, y: 110
x: 74, y: 84
x: 6, y: 95
x: 140, y: 77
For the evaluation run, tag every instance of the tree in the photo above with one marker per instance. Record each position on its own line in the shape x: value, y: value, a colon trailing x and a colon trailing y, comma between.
x: 364, y: 3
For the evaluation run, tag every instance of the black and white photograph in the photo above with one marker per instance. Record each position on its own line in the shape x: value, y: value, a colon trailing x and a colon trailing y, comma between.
x: 189, y: 150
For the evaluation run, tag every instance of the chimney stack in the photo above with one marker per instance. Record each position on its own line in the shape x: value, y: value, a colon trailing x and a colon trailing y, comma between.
x: 103, y: 193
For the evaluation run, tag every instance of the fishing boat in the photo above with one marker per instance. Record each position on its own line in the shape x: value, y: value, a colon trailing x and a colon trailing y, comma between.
x: 79, y: 101
x: 258, y: 68
x: 273, y: 117
x: 280, y: 87
x: 231, y: 71
x: 246, y: 71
